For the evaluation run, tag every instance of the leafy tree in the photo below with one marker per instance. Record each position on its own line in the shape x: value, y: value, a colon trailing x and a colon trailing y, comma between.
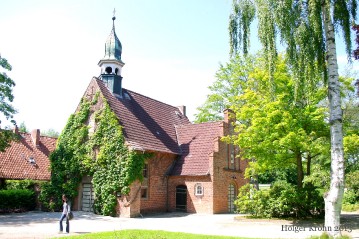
x: 50, y: 133
x: 6, y: 97
x: 307, y: 29
x: 23, y: 128
x: 228, y: 85
x: 278, y: 133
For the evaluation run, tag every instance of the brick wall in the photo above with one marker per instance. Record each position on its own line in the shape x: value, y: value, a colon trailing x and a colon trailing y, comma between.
x: 223, y: 177
x: 158, y: 167
x: 195, y: 203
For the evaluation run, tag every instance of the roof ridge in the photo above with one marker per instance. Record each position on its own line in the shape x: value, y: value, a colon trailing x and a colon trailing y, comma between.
x: 41, y: 136
x: 152, y: 99
x: 97, y: 79
x: 201, y: 123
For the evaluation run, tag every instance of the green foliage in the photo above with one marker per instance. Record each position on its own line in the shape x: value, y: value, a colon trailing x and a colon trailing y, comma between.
x: 230, y: 79
x: 6, y: 136
x: 101, y: 154
x: 116, y: 167
x: 350, y: 207
x: 17, y: 200
x: 50, y: 133
x: 350, y: 197
x: 327, y: 236
x: 21, y: 184
x: 352, y: 181
x: 276, y: 130
x: 6, y: 97
x: 282, y: 200
x: 239, y: 25
x: 6, y: 85
x: 23, y: 128
x: 298, y: 25
x: 48, y: 196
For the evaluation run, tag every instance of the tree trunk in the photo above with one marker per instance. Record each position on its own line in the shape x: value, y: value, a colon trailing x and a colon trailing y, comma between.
x: 309, y: 161
x: 299, y: 171
x: 333, y: 198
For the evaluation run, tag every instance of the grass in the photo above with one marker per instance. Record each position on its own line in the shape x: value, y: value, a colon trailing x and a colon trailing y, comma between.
x: 326, y: 236
x: 148, y: 234
x: 350, y: 207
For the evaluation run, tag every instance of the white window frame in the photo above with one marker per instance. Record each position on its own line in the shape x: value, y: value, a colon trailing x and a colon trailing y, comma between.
x: 198, y: 192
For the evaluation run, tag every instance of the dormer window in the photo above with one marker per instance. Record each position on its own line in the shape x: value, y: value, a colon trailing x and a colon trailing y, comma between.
x: 32, y: 160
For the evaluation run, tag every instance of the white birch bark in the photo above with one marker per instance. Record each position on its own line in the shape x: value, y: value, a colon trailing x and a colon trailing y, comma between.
x: 333, y: 199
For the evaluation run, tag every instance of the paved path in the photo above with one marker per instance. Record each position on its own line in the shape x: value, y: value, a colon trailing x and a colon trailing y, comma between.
x: 45, y: 225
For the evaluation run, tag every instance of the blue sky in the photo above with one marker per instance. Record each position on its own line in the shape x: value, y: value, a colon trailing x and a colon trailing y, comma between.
x: 171, y: 49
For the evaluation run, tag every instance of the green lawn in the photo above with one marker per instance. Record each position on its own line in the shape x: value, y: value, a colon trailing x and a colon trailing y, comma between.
x: 149, y: 234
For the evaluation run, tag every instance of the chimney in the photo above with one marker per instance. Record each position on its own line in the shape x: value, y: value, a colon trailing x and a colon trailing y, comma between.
x: 35, y: 136
x: 229, y: 116
x: 15, y: 130
x: 182, y: 108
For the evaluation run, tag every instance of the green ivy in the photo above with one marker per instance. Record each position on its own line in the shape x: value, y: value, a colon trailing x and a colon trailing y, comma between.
x: 101, y: 154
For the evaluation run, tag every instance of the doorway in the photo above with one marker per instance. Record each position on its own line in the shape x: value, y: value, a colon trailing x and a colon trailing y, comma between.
x: 231, y: 197
x: 181, y: 198
x: 88, y: 197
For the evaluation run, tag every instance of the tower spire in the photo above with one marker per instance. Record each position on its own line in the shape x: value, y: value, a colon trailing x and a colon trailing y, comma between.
x: 113, y: 19
x: 111, y: 64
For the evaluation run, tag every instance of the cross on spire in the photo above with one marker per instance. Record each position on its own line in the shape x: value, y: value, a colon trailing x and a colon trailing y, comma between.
x: 114, y: 12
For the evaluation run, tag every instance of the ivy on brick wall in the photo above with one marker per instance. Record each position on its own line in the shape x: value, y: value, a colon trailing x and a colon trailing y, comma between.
x: 101, y: 154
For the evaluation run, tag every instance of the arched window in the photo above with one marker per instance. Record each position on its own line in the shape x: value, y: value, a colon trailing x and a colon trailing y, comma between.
x: 108, y: 70
x: 198, y: 189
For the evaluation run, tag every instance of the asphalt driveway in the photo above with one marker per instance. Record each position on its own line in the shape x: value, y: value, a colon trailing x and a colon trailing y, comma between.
x: 45, y: 225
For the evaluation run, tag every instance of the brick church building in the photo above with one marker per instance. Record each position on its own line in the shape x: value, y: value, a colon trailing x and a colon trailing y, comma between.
x: 191, y: 169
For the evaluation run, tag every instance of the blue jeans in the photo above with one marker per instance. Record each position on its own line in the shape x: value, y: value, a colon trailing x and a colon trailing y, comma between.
x: 63, y: 216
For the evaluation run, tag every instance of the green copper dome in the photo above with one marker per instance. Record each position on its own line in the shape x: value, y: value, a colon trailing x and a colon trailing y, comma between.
x: 113, y: 47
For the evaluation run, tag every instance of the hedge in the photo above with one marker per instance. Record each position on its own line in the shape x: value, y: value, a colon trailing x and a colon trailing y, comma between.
x: 17, y: 200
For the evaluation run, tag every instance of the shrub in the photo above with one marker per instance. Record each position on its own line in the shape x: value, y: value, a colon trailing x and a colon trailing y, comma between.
x: 350, y: 197
x: 350, y: 207
x: 20, y: 184
x: 14, y: 200
x: 352, y: 183
x: 281, y: 200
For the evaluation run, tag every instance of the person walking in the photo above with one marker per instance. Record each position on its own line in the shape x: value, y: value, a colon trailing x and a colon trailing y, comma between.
x: 65, y: 211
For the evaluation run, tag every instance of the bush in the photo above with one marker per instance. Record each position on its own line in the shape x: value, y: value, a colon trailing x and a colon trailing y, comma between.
x: 350, y: 197
x: 350, y: 207
x: 17, y: 200
x: 281, y: 200
x: 252, y: 201
x: 20, y: 184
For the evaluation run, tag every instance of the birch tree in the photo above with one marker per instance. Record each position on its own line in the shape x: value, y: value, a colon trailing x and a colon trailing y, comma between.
x: 307, y: 31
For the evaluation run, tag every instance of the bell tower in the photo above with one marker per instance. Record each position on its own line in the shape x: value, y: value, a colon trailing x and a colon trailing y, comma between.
x: 111, y: 64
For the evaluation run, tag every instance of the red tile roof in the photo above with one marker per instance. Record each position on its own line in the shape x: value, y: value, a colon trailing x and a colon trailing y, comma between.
x: 197, y: 143
x: 14, y: 162
x: 148, y: 124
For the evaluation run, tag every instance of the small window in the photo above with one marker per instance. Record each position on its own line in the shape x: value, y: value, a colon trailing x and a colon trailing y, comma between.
x: 145, y: 171
x: 198, y: 189
x: 108, y: 70
x: 144, y: 192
